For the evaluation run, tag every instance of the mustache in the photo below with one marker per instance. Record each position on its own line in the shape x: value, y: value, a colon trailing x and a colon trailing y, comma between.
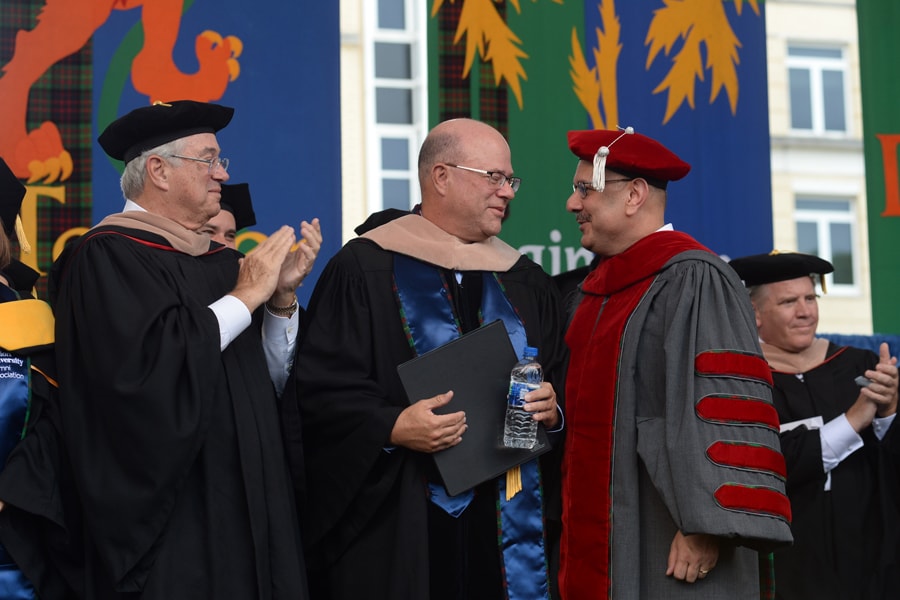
x: 582, y: 217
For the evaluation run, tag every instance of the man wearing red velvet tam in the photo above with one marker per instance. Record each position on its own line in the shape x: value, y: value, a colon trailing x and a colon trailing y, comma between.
x: 672, y: 477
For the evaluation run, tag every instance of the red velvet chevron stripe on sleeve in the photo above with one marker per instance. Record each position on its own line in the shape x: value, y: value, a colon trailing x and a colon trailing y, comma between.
x: 738, y: 410
x: 725, y: 363
x: 759, y: 500
x: 742, y: 455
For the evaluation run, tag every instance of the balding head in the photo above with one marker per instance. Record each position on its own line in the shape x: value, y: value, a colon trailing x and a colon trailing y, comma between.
x: 448, y: 142
x: 464, y: 202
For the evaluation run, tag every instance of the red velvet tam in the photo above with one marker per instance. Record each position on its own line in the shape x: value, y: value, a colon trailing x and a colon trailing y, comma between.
x: 628, y: 153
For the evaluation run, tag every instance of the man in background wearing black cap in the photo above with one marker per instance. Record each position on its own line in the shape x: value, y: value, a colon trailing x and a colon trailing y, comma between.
x: 838, y: 438
x: 671, y: 474
x: 168, y: 411
x: 236, y: 214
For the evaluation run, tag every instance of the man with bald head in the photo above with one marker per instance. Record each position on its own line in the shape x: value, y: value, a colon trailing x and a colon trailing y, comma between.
x: 377, y: 518
x: 672, y: 473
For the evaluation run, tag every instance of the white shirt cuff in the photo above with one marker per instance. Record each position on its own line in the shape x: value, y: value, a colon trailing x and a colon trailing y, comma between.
x: 233, y: 317
x: 881, y: 424
x: 839, y: 441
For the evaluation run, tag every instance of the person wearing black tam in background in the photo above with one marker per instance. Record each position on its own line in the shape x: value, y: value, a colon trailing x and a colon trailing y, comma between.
x: 672, y: 478
x: 33, y: 536
x: 236, y: 214
x: 838, y: 437
x: 169, y: 416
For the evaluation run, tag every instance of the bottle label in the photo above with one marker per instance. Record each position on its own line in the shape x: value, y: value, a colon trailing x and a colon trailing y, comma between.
x: 517, y: 391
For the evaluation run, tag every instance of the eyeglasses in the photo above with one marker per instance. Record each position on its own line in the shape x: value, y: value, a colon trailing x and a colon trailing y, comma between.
x: 219, y: 161
x: 582, y: 187
x: 495, y: 177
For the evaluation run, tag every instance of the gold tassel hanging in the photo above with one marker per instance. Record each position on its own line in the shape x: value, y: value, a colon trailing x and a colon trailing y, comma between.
x: 24, y: 246
x: 513, y: 482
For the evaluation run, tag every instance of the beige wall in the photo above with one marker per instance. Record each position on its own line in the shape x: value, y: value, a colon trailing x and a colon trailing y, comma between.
x: 353, y: 142
x: 816, y: 165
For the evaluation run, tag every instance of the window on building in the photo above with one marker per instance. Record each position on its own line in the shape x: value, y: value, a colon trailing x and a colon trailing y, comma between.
x: 396, y: 117
x: 818, y: 92
x: 826, y: 227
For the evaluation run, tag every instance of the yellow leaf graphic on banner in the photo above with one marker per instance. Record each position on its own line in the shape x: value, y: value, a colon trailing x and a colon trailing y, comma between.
x: 699, y: 24
x: 586, y: 83
x: 739, y: 4
x: 488, y: 34
x: 600, y: 84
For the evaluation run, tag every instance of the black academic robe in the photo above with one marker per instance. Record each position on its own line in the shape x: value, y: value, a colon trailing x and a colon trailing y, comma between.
x: 366, y: 508
x: 174, y: 445
x: 846, y: 540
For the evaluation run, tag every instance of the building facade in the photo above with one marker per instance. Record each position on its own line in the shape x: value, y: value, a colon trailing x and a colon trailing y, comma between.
x: 817, y: 168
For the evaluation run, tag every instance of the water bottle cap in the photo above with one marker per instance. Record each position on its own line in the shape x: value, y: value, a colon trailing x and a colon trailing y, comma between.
x: 530, y: 351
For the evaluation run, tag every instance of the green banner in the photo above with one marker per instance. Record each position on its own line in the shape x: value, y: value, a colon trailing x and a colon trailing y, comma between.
x: 879, y: 51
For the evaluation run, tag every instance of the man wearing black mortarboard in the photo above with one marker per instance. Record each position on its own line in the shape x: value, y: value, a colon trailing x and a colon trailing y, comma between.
x: 168, y: 408
x: 672, y: 476
x: 836, y: 406
x: 236, y: 214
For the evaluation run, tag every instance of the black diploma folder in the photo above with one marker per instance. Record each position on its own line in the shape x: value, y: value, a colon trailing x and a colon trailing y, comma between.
x: 476, y: 367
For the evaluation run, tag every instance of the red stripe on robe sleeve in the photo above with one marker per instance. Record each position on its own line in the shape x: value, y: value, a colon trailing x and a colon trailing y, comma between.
x: 742, y: 455
x: 757, y: 500
x: 725, y: 363
x: 738, y: 410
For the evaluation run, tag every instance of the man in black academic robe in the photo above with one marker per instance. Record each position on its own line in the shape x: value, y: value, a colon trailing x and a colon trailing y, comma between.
x: 372, y: 520
x: 839, y: 439
x: 169, y: 416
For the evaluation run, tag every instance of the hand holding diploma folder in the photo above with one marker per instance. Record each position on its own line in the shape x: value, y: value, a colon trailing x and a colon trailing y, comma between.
x: 476, y: 367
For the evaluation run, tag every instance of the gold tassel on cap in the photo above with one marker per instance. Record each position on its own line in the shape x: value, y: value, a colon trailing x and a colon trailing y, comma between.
x: 24, y: 246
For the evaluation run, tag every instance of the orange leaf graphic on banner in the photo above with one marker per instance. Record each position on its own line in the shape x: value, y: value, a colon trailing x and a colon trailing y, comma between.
x: 62, y: 28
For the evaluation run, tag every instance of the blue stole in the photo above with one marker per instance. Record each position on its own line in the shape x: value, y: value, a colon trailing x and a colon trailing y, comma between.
x: 15, y: 397
x: 428, y: 319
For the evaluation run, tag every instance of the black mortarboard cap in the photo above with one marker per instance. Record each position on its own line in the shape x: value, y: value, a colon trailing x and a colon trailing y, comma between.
x: 779, y: 266
x: 151, y: 126
x: 236, y: 200
x: 12, y: 192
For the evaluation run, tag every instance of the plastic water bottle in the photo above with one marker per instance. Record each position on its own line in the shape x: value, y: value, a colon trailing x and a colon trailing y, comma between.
x: 520, y: 428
